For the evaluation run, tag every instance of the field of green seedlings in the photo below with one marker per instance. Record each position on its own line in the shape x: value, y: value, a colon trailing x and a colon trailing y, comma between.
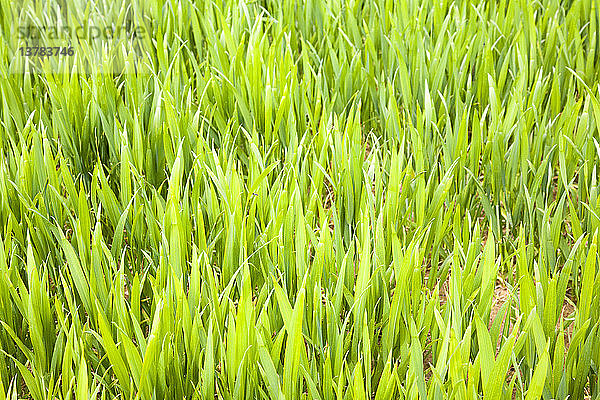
x: 309, y: 199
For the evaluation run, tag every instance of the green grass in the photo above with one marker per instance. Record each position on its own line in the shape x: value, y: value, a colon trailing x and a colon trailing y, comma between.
x: 306, y: 199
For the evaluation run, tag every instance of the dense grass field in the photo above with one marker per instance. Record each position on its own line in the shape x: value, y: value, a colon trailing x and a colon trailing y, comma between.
x: 304, y: 200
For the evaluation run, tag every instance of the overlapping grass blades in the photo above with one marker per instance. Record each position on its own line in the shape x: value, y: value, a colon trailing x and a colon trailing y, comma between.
x: 313, y: 199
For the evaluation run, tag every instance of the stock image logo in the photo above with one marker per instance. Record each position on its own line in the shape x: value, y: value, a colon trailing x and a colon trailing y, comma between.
x: 79, y: 48
x: 91, y: 32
